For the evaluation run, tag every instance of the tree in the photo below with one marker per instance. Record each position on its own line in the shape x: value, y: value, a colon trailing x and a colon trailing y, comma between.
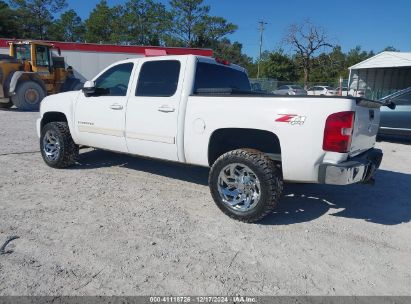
x: 37, y: 15
x: 307, y: 40
x: 9, y: 23
x: 279, y: 66
x: 68, y: 28
x: 390, y: 49
x: 146, y: 22
x: 105, y: 24
x: 328, y: 67
x: 232, y: 52
x: 211, y: 30
x: 188, y: 17
x: 357, y: 55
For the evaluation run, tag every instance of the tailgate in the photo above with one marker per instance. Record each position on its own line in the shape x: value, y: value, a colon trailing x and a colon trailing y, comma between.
x: 367, y: 120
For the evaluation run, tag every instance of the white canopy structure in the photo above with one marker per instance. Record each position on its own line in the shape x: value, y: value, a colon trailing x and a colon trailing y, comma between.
x: 381, y: 74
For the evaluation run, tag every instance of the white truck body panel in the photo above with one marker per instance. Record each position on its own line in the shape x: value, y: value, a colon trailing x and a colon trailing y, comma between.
x: 179, y: 127
x: 301, y: 145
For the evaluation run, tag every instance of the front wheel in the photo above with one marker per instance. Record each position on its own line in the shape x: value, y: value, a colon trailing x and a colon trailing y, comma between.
x: 56, y: 145
x: 245, y: 184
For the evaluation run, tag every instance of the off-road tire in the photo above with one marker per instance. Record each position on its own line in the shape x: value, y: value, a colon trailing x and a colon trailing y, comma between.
x: 69, y: 151
x: 20, y: 98
x: 268, y: 173
x: 6, y: 105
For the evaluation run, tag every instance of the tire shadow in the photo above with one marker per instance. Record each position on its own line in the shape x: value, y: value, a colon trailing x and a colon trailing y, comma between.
x: 388, y: 202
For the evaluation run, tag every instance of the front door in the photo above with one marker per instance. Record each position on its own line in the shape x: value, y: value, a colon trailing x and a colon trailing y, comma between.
x: 152, y: 110
x: 100, y: 118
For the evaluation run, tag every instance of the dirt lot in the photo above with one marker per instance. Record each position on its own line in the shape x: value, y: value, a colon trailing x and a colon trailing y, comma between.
x: 121, y: 225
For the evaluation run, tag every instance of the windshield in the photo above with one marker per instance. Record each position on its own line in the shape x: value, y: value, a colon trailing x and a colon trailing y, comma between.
x: 22, y: 52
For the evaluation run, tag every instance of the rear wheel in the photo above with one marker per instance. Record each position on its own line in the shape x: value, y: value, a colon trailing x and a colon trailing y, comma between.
x: 57, y: 146
x: 245, y: 184
x: 28, y: 96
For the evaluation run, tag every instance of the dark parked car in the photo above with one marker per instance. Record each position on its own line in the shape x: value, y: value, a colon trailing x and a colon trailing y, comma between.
x: 398, y: 121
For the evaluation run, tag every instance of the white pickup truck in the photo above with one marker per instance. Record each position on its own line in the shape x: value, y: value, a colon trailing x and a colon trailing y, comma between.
x: 200, y: 110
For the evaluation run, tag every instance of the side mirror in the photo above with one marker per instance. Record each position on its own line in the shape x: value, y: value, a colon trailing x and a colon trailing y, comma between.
x: 89, y: 87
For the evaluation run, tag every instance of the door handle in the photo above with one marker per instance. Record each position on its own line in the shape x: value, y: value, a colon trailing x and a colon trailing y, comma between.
x: 116, y: 106
x: 166, y: 109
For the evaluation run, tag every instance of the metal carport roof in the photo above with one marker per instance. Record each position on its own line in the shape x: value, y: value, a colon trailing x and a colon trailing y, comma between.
x: 385, y: 60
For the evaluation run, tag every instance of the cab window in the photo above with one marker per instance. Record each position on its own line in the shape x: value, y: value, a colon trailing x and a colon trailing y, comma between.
x: 211, y: 76
x: 22, y: 52
x: 158, y: 78
x: 42, y: 56
x: 114, y: 81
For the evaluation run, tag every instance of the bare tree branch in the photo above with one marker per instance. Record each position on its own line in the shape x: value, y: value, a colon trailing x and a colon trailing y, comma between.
x: 306, y: 39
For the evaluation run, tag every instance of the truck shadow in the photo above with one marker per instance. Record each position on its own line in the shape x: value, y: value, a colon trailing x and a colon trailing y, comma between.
x: 99, y: 158
x: 386, y: 203
x: 396, y: 139
x: 13, y: 109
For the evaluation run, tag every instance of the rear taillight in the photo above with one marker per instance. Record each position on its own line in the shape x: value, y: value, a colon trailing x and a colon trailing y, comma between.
x: 338, y: 132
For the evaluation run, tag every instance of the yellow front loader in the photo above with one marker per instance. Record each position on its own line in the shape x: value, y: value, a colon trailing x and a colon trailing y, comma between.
x: 30, y: 72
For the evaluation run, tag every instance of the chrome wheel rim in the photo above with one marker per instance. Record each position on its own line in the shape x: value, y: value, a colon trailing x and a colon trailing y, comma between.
x: 239, y: 187
x: 51, y: 145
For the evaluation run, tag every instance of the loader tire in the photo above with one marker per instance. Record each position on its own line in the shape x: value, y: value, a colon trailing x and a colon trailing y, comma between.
x: 28, y: 96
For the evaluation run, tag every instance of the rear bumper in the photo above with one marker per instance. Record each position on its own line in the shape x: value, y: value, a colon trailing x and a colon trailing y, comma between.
x: 359, y: 169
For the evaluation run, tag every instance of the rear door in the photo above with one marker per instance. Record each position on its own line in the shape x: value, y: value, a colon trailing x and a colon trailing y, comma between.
x: 153, y: 108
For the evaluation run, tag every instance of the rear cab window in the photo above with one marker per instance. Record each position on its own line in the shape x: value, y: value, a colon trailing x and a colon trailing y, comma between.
x: 212, y: 76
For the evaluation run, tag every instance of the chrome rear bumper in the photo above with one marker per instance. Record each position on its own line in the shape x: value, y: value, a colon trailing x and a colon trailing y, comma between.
x: 359, y: 169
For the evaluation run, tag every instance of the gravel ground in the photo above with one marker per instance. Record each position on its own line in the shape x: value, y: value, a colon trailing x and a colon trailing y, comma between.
x: 122, y: 225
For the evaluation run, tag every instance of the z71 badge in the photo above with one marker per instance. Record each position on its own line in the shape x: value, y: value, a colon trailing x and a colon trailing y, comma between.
x: 292, y: 119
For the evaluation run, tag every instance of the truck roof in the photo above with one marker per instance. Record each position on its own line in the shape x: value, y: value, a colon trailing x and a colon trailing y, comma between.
x: 206, y: 59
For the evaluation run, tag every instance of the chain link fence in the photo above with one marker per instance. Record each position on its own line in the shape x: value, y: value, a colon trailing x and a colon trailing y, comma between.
x: 269, y: 85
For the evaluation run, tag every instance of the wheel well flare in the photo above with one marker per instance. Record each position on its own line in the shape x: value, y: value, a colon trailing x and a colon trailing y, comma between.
x: 225, y: 140
x: 53, y: 117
